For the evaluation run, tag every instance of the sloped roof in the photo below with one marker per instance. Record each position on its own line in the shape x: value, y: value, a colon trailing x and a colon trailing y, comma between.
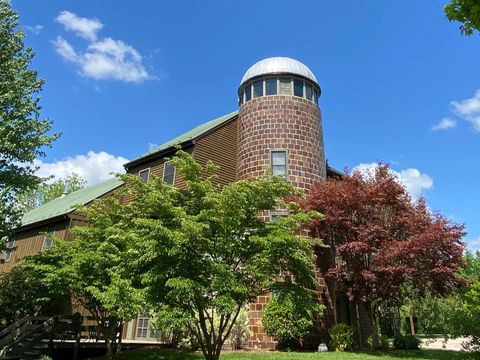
x: 66, y: 204
x: 189, y: 135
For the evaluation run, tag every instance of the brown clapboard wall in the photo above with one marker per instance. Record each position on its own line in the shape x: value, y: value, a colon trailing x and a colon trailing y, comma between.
x: 156, y: 168
x: 30, y: 240
x: 221, y: 147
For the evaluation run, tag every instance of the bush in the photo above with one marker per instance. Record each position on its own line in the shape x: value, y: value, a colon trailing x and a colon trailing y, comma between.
x: 406, y: 342
x: 343, y: 338
x: 383, y: 340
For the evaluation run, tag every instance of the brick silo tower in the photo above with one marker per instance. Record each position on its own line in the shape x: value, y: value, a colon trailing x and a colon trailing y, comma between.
x: 280, y: 123
x: 280, y: 127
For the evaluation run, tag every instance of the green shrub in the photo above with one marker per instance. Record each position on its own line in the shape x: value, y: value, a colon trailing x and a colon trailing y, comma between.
x: 384, y: 342
x: 406, y: 342
x: 343, y: 338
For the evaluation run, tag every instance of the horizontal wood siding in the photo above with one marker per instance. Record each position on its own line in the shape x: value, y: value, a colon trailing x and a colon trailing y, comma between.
x: 30, y: 241
x: 156, y: 166
x: 221, y: 147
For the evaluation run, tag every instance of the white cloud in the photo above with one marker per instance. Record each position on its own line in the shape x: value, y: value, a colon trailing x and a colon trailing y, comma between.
x: 37, y: 29
x: 473, y: 245
x: 151, y: 146
x: 94, y: 167
x: 86, y: 28
x: 445, y: 124
x: 469, y: 109
x: 103, y: 59
x: 412, y: 179
x: 98, y: 89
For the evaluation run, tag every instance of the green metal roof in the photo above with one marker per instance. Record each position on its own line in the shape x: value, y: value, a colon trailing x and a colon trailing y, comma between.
x: 189, y: 135
x: 66, y: 204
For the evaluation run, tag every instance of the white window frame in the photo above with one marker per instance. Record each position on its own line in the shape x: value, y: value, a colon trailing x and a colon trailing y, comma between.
x: 286, y: 176
x: 10, y: 245
x: 148, y: 173
x: 47, y: 242
x: 174, y: 172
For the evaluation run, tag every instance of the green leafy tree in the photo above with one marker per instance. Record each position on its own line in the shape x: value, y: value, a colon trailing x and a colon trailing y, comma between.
x: 202, y: 253
x: 289, y: 317
x: 465, y: 11
x: 463, y: 322
x: 46, y: 192
x: 23, y: 134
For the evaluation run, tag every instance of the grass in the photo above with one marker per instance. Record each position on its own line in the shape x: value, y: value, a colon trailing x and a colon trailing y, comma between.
x: 157, y: 354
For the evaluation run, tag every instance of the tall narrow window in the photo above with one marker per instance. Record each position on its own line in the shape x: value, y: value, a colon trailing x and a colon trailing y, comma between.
x: 298, y: 88
x: 169, y: 173
x: 308, y: 92
x: 258, y: 89
x: 315, y: 99
x: 48, y: 237
x: 279, y: 162
x: 248, y: 93
x: 8, y: 254
x: 271, y: 86
x: 144, y: 175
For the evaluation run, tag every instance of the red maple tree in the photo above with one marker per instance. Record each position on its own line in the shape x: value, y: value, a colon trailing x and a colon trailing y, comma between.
x: 381, y: 242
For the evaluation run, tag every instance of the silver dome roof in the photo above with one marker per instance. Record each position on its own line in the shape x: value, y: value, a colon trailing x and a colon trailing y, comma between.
x: 278, y: 65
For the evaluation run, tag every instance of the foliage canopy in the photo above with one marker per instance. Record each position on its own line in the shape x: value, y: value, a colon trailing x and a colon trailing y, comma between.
x: 465, y: 11
x: 382, y: 243
x: 23, y: 134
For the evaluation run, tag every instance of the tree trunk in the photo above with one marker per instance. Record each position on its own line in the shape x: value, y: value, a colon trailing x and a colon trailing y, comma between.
x: 371, y: 311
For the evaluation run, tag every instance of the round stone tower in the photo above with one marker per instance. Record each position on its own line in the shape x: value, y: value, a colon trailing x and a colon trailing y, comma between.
x: 280, y: 123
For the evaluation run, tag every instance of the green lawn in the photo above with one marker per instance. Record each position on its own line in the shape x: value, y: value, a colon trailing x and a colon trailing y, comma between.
x: 155, y: 354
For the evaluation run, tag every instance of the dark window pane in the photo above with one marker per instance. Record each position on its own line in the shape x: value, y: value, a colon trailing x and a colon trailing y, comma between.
x: 285, y: 87
x: 258, y: 89
x: 308, y: 92
x: 298, y: 88
x: 48, y: 237
x: 316, y: 98
x: 168, y: 173
x: 248, y: 93
x: 10, y: 244
x: 271, y: 86
x: 144, y: 175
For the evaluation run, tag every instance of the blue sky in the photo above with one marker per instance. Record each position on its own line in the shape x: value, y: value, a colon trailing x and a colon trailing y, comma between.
x: 399, y: 82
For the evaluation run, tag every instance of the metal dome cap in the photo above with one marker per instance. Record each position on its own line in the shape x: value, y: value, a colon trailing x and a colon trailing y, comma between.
x: 278, y: 65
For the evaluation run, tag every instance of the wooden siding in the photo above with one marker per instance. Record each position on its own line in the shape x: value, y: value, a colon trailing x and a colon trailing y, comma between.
x: 30, y: 241
x: 156, y: 166
x: 221, y: 147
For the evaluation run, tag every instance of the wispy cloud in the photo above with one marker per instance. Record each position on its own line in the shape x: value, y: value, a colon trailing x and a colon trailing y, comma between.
x: 469, y: 109
x: 93, y: 167
x: 151, y: 146
x: 102, y: 59
x: 37, y: 29
x: 445, y: 124
x: 474, y: 245
x: 86, y: 28
x: 412, y: 179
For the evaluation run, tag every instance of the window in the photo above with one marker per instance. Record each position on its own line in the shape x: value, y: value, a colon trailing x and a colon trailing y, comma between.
x: 10, y: 244
x: 285, y: 87
x: 168, y: 173
x: 308, y: 92
x: 248, y: 93
x: 48, y: 237
x: 276, y: 217
x: 144, y: 175
x: 258, y: 89
x: 316, y: 97
x: 271, y: 86
x: 298, y: 88
x: 279, y: 162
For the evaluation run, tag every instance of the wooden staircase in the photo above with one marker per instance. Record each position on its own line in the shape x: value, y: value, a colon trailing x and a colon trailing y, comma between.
x: 34, y: 336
